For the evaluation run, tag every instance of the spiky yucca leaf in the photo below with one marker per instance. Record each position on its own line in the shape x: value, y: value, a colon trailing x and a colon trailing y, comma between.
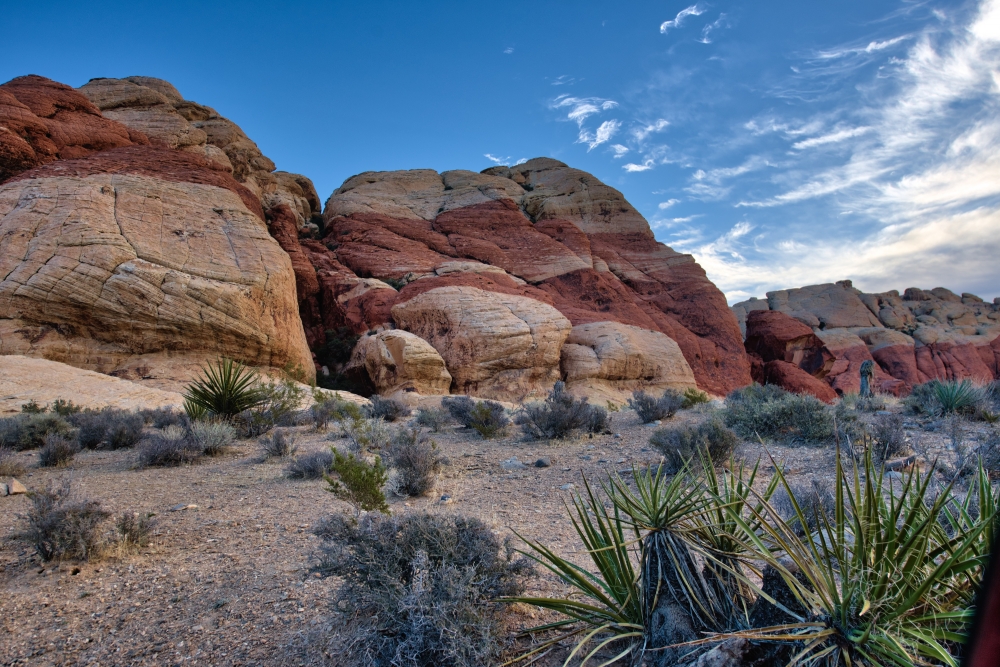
x: 958, y: 396
x: 225, y: 388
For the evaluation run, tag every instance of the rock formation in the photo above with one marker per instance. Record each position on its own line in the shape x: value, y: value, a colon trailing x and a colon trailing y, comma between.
x: 132, y: 259
x: 495, y: 268
x: 396, y: 360
x: 914, y: 338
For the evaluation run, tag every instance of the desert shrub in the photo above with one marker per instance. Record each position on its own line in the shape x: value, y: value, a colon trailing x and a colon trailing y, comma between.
x: 213, y: 438
x: 133, y: 530
x: 889, y: 439
x: 29, y: 430
x: 10, y: 466
x: 366, y: 435
x: 327, y: 409
x: 277, y: 406
x: 422, y: 589
x: 60, y: 526
x: 416, y: 461
x: 459, y: 407
x: 108, y: 428
x: 310, y: 466
x: 693, y: 397
x: 686, y: 444
x: 65, y: 408
x: 388, y: 409
x: 433, y: 418
x: 651, y: 409
x: 277, y: 444
x: 164, y: 417
x: 768, y: 411
x: 170, y: 447
x: 33, y: 408
x: 815, y: 500
x: 358, y: 483
x: 225, y: 389
x: 57, y: 451
x: 560, y: 415
x: 939, y: 397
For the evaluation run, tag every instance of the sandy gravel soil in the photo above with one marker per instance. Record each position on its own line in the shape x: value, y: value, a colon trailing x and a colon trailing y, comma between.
x: 229, y: 582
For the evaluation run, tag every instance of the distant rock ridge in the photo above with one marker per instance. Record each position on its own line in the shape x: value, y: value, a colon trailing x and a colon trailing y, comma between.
x: 913, y: 338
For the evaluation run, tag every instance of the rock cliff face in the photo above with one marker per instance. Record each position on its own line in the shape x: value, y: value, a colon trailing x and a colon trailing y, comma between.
x: 499, y: 269
x: 914, y: 338
x: 130, y: 257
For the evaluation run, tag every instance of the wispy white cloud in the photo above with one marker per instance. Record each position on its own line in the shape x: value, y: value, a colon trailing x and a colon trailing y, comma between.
x: 502, y: 161
x: 706, y: 32
x: 509, y: 50
x: 619, y: 150
x: 831, y: 138
x: 872, y: 47
x: 579, y: 109
x: 645, y: 166
x: 604, y: 132
x: 663, y: 205
x: 640, y: 133
x: 693, y: 10
x: 564, y: 80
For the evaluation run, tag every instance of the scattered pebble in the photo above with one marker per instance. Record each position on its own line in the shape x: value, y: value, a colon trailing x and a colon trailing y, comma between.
x: 618, y: 436
x: 512, y: 464
x: 543, y: 462
x: 446, y: 499
x: 568, y: 487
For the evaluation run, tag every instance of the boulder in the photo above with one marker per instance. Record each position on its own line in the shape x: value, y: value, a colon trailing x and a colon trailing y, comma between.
x: 494, y: 345
x: 794, y: 379
x: 825, y: 306
x: 772, y: 335
x: 609, y: 360
x: 144, y: 262
x: 743, y: 309
x: 397, y: 360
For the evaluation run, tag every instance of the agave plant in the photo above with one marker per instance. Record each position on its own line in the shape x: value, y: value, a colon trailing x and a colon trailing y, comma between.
x: 884, y: 582
x: 958, y: 396
x: 225, y: 389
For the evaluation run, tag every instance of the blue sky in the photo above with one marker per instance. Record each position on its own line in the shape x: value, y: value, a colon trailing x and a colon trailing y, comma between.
x: 782, y: 143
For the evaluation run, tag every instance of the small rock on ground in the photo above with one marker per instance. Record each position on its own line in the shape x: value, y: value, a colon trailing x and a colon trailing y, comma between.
x: 15, y: 487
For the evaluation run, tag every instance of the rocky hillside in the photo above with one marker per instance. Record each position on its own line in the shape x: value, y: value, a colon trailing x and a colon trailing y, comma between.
x: 816, y: 338
x: 500, y: 283
x: 132, y: 254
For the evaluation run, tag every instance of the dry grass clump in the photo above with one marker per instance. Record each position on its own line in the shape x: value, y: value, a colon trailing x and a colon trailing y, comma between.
x: 133, y: 530
x: 888, y: 436
x: 433, y: 418
x: 172, y: 446
x: 421, y: 590
x: 10, y: 466
x: 212, y: 437
x: 683, y: 446
x: 416, y: 462
x: 651, y: 409
x: 108, y: 428
x: 277, y: 444
x: 560, y: 415
x: 60, y: 526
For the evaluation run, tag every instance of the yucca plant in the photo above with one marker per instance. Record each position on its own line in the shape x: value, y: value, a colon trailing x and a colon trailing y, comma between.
x: 224, y: 389
x: 883, y: 582
x: 958, y: 397
x: 607, y: 607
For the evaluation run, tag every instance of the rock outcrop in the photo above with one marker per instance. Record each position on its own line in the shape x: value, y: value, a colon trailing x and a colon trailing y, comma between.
x: 137, y: 260
x: 914, y: 338
x: 396, y: 360
x: 540, y: 234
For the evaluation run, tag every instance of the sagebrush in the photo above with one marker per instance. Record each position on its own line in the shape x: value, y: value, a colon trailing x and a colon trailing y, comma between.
x: 770, y: 412
x: 560, y: 415
x: 650, y: 408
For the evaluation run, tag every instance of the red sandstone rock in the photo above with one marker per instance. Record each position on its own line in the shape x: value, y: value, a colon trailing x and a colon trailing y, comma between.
x: 794, y: 379
x: 42, y: 121
x: 775, y: 336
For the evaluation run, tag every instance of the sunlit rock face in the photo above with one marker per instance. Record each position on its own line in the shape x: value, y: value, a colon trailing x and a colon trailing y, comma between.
x: 447, y: 255
x: 913, y: 338
x: 133, y: 258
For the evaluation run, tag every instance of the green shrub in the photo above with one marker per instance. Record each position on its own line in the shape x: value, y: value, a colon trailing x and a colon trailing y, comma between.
x: 58, y: 451
x: 368, y: 435
x: 423, y: 590
x: 770, y: 412
x: 560, y: 415
x: 164, y: 417
x: 333, y: 408
x: 65, y: 408
x: 310, y: 466
x: 939, y: 397
x: 488, y: 418
x: 652, y: 409
x: 460, y: 408
x: 686, y: 445
x: 389, y: 409
x: 433, y: 418
x: 33, y: 408
x: 693, y: 397
x: 277, y: 406
x: 416, y: 461
x: 60, y: 526
x: 29, y: 430
x: 358, y: 483
x: 224, y: 389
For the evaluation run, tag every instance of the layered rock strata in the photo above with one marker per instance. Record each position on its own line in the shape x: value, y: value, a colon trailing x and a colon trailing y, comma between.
x: 133, y: 259
x: 913, y: 338
x: 541, y: 234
